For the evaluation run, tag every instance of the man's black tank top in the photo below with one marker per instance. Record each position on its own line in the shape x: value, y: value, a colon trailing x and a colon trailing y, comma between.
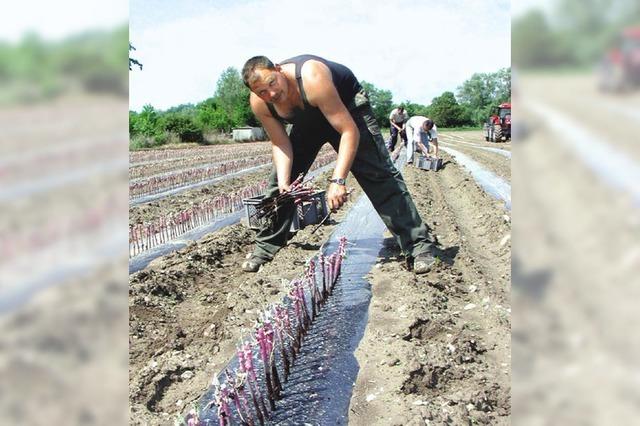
x: 346, y: 84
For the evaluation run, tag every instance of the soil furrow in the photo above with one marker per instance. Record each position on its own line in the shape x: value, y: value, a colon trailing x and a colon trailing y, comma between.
x: 446, y: 338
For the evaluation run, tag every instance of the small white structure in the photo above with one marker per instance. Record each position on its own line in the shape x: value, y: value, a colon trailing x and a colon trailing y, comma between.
x: 244, y: 134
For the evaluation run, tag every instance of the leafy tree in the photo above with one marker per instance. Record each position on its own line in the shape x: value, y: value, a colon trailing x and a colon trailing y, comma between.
x: 381, y: 103
x: 133, y: 118
x: 189, y: 109
x: 415, y: 109
x: 210, y: 116
x: 147, y: 123
x: 37, y: 69
x: 481, y: 93
x: 503, y: 85
x: 133, y: 61
x: 232, y: 97
x: 446, y: 111
x: 535, y: 44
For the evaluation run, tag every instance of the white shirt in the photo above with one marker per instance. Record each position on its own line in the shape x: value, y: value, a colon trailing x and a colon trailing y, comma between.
x: 420, y: 135
x: 398, y: 117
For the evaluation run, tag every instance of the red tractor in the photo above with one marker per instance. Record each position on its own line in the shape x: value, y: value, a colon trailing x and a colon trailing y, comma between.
x: 620, y: 68
x: 498, y: 126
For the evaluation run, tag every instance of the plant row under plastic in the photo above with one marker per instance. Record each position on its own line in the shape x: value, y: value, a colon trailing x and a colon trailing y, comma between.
x: 183, y: 178
x: 248, y: 394
x: 148, y: 156
x: 156, y: 184
x: 158, y: 231
x: 61, y: 227
x: 145, y: 236
x: 29, y: 166
x: 151, y: 168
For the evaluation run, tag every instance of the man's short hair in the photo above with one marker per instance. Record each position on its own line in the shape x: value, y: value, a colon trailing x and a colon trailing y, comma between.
x: 257, y: 62
x: 400, y: 108
x: 428, y: 123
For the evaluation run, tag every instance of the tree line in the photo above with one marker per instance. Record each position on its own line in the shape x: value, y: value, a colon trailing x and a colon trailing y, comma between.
x: 574, y: 34
x: 474, y: 101
x: 209, y: 120
x: 35, y: 69
x: 204, y: 122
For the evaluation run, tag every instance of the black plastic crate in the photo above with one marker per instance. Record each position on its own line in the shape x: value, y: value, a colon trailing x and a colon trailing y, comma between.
x: 428, y: 163
x: 436, y: 164
x: 312, y: 212
x: 308, y: 213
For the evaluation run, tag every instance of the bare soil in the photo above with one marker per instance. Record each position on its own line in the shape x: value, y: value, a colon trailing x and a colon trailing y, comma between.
x: 499, y: 165
x: 446, y: 334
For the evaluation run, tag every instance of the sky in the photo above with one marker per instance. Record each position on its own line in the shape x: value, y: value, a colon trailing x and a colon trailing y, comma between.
x: 55, y: 20
x: 417, y: 49
x: 518, y: 7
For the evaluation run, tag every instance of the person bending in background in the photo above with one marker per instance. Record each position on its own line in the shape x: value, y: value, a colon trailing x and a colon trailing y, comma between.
x: 397, y: 120
x: 420, y: 132
x: 324, y: 102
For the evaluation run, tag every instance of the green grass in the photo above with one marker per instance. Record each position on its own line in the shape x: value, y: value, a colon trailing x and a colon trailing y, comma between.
x: 551, y: 71
x: 171, y: 141
x: 459, y: 129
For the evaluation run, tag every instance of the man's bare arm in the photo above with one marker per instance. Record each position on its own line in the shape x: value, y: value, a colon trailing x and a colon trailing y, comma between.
x: 322, y: 93
x: 280, y: 143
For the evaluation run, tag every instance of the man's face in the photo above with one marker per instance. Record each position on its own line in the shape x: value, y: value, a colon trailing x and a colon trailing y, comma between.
x: 270, y: 85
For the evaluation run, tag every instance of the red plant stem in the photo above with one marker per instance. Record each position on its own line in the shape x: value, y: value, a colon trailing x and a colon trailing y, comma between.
x: 322, y: 261
x: 270, y: 337
x: 253, y: 380
x: 310, y: 279
x: 279, y: 334
x: 242, y: 396
x: 276, y: 325
x: 303, y: 305
x: 261, y: 338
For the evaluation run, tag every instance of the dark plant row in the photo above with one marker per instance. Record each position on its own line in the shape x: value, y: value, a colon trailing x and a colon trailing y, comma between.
x: 249, y: 394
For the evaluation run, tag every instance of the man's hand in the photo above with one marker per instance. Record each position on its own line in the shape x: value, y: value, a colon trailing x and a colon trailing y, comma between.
x: 283, y: 187
x: 337, y: 196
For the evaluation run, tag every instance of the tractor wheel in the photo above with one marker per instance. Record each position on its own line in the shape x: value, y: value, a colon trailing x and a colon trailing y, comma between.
x: 497, y: 133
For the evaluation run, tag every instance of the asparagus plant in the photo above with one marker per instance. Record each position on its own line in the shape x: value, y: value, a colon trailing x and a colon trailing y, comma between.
x: 281, y: 327
x: 299, y: 192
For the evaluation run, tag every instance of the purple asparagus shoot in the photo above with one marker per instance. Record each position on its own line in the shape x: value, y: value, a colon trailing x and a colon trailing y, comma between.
x: 299, y: 320
x: 220, y: 400
x: 330, y: 277
x: 282, y: 316
x: 311, y: 280
x: 303, y: 304
x: 316, y: 290
x: 245, y: 356
x: 234, y: 394
x: 192, y: 418
x: 238, y: 386
x: 298, y: 192
x: 270, y: 334
x: 321, y: 262
x: 262, y: 344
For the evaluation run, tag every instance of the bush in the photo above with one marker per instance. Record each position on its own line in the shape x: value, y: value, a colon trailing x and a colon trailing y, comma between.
x: 182, y: 125
x: 141, y: 142
x: 215, y: 138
